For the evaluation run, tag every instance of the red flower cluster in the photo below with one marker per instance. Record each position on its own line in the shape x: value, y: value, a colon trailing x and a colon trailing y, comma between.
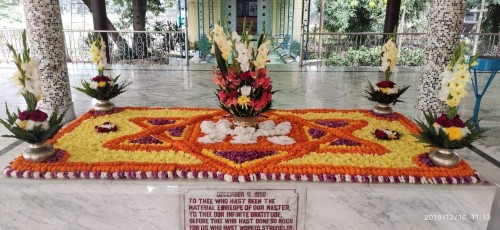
x: 101, y: 78
x: 230, y: 85
x: 446, y: 123
x: 387, y: 134
x: 35, y: 115
x: 386, y: 84
x: 106, y: 127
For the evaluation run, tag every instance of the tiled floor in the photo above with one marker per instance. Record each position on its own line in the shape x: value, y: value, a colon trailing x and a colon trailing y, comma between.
x: 309, y: 87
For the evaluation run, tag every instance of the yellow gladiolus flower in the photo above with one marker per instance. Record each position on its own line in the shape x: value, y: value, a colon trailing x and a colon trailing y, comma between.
x: 458, y: 94
x: 452, y: 102
x: 461, y: 67
x: 371, y: 4
x: 454, y: 133
x: 456, y: 85
x: 462, y: 76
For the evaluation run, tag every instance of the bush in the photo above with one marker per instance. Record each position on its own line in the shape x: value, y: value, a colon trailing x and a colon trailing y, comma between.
x: 411, y: 57
x: 370, y: 56
x: 363, y: 56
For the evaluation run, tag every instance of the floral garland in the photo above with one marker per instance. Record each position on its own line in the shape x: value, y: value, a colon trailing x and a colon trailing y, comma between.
x: 156, y: 143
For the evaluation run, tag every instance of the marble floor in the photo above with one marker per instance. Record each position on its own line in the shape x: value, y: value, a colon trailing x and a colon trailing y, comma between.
x: 308, y: 87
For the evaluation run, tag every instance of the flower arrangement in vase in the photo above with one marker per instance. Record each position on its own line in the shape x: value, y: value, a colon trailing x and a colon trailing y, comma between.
x: 385, y: 92
x: 447, y: 131
x: 245, y: 89
x: 31, y: 125
x: 102, y: 88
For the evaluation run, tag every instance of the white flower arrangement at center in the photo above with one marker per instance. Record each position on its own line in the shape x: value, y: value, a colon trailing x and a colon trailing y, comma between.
x: 218, y: 131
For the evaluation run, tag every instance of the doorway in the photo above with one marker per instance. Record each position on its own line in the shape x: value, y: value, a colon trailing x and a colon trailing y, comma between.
x: 246, y: 10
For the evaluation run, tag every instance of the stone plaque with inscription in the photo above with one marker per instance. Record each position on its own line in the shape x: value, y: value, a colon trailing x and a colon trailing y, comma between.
x: 241, y: 209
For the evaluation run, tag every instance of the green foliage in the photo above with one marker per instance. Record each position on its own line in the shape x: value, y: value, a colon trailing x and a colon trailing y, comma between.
x: 437, y: 137
x: 411, y: 57
x: 380, y: 97
x: 103, y: 93
x: 23, y: 57
x: 365, y: 15
x: 336, y: 60
x: 37, y: 135
x: 155, y: 7
x: 295, y: 47
x: 365, y: 56
x: 204, y: 45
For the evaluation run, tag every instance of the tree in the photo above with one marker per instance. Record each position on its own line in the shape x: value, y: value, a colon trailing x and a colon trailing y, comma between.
x: 365, y: 15
x: 126, y: 7
x: 115, y: 36
x: 134, y: 12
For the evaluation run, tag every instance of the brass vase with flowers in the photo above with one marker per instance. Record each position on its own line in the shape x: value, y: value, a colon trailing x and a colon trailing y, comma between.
x: 102, y: 88
x: 31, y: 125
x: 385, y: 92
x: 447, y: 132
x: 244, y: 87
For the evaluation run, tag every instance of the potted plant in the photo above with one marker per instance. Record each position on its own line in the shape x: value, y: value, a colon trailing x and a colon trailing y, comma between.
x: 31, y: 125
x: 385, y: 92
x: 447, y: 131
x: 101, y: 87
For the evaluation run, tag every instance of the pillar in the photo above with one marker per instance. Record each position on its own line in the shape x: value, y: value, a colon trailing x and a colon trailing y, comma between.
x: 46, y: 38
x: 264, y: 11
x: 443, y: 33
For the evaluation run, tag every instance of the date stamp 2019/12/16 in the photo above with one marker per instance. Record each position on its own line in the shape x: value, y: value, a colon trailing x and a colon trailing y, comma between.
x: 457, y: 217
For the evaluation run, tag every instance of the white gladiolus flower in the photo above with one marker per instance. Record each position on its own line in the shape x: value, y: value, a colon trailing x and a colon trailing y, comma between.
x: 16, y: 79
x: 235, y: 36
x: 245, y: 90
x: 389, y: 57
x: 243, y: 57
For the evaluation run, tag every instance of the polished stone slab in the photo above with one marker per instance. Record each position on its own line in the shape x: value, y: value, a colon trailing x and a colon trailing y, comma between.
x: 95, y: 204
